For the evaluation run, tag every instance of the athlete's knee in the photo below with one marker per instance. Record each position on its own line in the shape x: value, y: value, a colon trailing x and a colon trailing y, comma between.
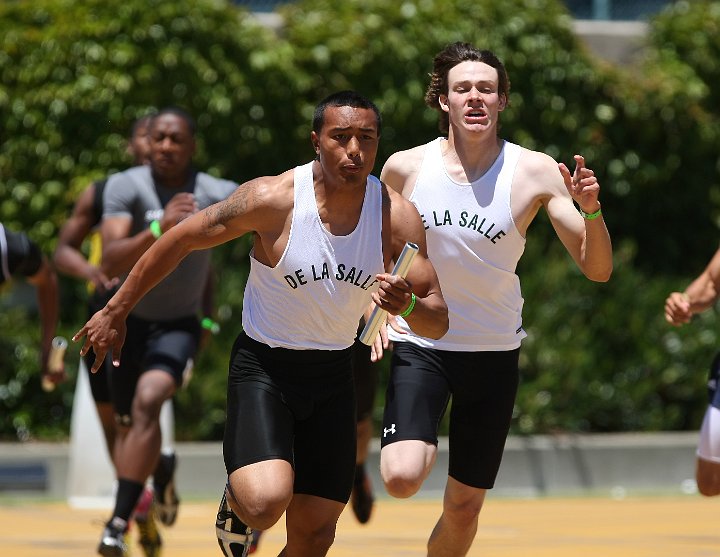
x: 707, y: 476
x: 147, y: 405
x: 708, y: 488
x: 401, y: 481
x: 404, y: 467
x: 464, y: 512
x: 261, y: 508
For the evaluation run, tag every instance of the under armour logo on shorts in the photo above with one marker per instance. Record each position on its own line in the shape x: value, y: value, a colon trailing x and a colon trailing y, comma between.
x: 387, y: 430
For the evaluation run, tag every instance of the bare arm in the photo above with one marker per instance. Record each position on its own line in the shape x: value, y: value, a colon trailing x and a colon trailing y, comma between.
x: 46, y: 286
x: 587, y: 240
x: 238, y: 214
x: 68, y: 258
x: 121, y: 251
x: 700, y: 295
x: 429, y: 316
x: 401, y: 169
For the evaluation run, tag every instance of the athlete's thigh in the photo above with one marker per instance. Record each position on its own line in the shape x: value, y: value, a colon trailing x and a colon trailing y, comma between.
x: 365, y: 376
x: 171, y: 345
x: 484, y: 386
x: 259, y: 424
x: 325, y: 446
x: 417, y: 395
x: 123, y: 378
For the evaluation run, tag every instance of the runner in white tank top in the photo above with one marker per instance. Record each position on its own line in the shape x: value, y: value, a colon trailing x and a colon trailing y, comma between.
x: 475, y: 248
x: 477, y: 195
x: 325, y: 236
x: 322, y: 281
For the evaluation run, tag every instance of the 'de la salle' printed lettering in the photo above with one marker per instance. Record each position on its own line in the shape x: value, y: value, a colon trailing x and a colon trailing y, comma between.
x: 343, y: 273
x: 474, y: 222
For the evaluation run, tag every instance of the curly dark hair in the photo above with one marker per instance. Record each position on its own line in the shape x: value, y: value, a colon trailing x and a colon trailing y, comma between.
x: 449, y: 57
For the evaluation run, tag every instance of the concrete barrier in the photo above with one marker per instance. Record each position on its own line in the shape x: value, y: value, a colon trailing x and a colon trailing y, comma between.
x: 615, y: 464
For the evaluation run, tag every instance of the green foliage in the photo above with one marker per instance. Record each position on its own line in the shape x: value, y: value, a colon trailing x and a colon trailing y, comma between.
x: 76, y: 74
x: 599, y: 357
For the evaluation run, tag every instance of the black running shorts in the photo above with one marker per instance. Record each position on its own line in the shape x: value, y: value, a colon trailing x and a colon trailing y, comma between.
x: 151, y: 345
x: 482, y: 385
x: 365, y: 374
x: 294, y: 405
x: 99, y: 381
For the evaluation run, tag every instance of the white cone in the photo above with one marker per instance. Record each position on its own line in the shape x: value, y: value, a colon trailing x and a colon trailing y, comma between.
x: 91, y: 477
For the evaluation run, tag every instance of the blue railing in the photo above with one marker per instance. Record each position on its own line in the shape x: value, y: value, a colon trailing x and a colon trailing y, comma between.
x: 581, y: 9
x: 616, y: 9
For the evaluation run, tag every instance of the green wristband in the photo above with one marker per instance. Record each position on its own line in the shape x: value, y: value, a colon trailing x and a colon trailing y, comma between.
x: 209, y: 325
x: 590, y: 216
x: 411, y: 307
x: 155, y: 229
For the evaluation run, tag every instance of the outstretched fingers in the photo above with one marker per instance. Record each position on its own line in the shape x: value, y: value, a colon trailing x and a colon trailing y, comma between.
x: 581, y: 184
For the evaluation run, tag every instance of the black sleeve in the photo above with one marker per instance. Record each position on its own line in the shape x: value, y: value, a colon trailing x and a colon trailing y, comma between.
x: 23, y: 257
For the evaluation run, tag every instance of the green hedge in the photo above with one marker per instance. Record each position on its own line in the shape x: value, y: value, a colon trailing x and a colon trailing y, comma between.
x: 599, y: 357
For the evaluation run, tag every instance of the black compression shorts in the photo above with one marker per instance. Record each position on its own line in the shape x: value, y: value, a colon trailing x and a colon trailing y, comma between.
x: 100, y: 380
x: 162, y: 345
x: 293, y: 405
x: 483, y: 386
x: 365, y: 375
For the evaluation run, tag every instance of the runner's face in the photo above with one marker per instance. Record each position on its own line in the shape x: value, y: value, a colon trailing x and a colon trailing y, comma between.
x: 347, y: 143
x: 172, y: 145
x: 473, y: 101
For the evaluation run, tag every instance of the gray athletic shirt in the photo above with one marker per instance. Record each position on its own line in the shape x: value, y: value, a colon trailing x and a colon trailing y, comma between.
x: 133, y: 194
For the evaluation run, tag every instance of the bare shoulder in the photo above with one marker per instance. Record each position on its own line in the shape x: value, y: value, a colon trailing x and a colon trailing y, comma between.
x: 255, y: 199
x: 84, y: 206
x: 538, y: 175
x: 401, y: 169
x: 402, y: 212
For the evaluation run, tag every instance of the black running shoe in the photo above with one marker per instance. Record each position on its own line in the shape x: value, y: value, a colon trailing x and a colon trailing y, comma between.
x: 233, y: 536
x: 112, y: 543
x: 166, y: 498
x: 361, y: 498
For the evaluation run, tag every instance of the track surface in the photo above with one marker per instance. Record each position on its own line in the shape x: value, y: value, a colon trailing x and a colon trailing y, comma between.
x: 681, y: 526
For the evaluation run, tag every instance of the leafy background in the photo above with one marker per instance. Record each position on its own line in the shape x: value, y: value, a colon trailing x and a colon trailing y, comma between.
x: 599, y: 357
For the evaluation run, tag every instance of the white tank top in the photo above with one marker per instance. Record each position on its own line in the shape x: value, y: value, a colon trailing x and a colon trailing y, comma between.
x: 474, y: 246
x: 314, y: 297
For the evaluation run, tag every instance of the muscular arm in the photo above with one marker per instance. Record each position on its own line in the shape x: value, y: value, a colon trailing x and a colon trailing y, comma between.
x: 700, y: 295
x: 587, y: 241
x: 240, y: 213
x: 68, y: 258
x: 46, y: 286
x: 121, y: 250
x: 429, y: 317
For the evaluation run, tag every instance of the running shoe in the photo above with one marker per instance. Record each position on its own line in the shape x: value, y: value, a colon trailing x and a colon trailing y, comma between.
x: 150, y: 539
x: 233, y: 536
x: 112, y: 543
x: 255, y: 541
x: 166, y: 498
x: 361, y: 498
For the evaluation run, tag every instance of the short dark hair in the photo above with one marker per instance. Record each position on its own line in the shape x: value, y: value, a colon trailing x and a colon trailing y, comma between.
x: 452, y: 55
x: 139, y: 123
x: 180, y: 113
x: 349, y: 98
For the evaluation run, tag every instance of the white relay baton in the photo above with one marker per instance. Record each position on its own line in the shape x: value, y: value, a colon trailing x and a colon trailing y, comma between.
x: 55, y: 362
x: 372, y: 327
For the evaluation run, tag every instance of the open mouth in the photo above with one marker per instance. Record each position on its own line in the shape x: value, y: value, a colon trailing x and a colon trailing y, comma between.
x: 475, y: 116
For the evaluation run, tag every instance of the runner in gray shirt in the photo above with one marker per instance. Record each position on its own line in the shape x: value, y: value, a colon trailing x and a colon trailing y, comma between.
x: 163, y: 330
